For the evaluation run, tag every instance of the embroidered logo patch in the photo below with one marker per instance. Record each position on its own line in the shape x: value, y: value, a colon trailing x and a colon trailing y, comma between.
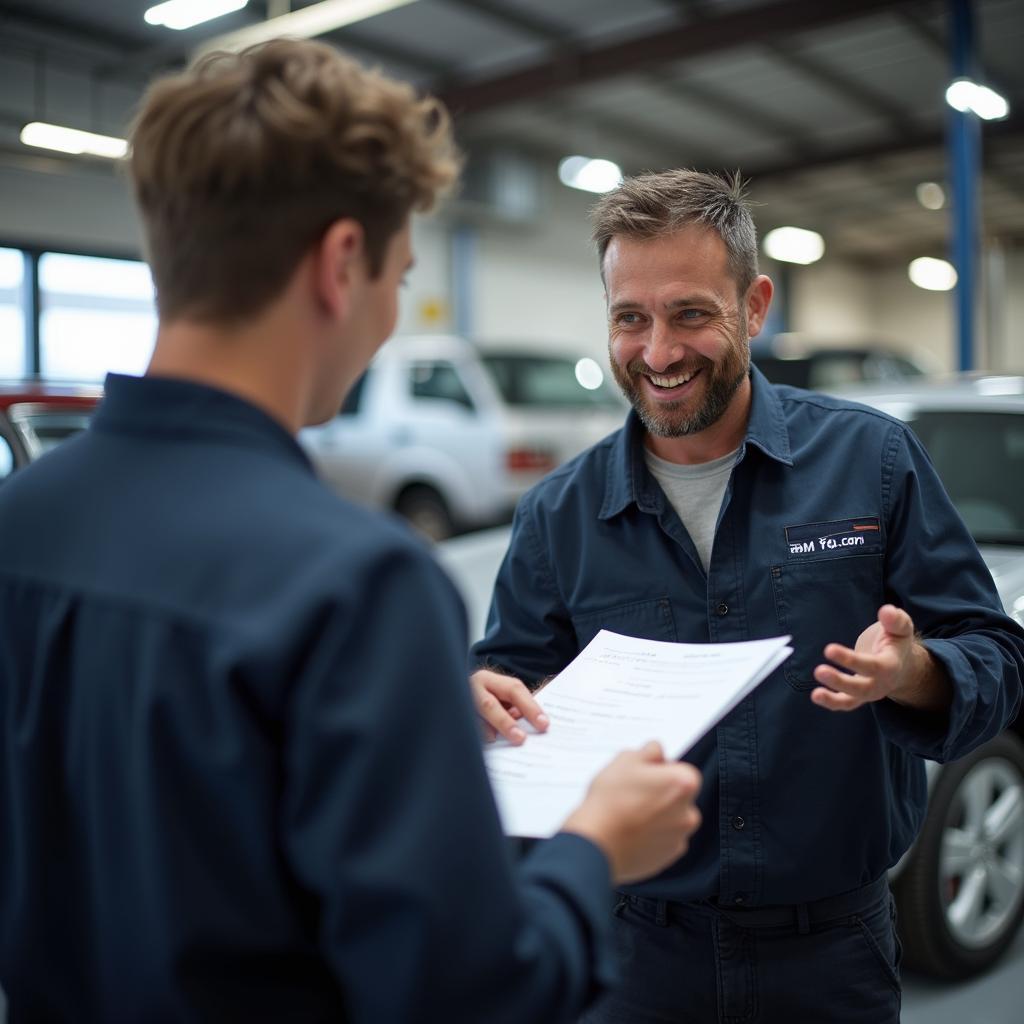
x: 839, y: 537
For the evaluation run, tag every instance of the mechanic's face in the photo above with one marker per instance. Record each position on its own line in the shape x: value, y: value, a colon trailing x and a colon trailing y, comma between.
x: 677, y: 330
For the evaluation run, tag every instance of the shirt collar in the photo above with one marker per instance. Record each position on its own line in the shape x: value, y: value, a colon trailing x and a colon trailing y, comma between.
x: 630, y: 481
x: 178, y: 409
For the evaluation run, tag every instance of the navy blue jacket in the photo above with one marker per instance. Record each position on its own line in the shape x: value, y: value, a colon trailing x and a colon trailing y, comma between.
x: 832, y: 509
x: 240, y: 773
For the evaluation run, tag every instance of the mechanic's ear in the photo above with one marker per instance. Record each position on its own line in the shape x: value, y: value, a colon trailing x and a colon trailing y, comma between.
x: 339, y: 265
x: 759, y: 298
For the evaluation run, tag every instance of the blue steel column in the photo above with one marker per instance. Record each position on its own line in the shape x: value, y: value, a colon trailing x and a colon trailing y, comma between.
x: 964, y: 165
x: 463, y: 258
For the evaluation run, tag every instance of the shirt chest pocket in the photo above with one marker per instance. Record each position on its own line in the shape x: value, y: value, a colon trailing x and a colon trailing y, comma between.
x: 650, y: 620
x: 821, y: 602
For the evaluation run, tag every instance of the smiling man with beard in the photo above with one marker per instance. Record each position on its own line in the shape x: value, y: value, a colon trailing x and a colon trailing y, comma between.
x: 730, y: 509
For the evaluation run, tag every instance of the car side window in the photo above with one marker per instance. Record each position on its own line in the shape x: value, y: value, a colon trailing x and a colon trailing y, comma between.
x: 6, y: 458
x: 438, y: 381
x: 354, y: 399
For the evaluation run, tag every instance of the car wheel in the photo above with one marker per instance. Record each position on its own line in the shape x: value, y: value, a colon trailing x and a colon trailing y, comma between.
x: 961, y: 896
x: 426, y: 511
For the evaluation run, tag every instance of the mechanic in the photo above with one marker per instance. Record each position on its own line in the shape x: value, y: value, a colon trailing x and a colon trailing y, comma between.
x: 730, y: 509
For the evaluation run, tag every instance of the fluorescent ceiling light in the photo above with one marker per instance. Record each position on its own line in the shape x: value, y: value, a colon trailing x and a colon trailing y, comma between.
x: 794, y: 245
x: 186, y: 13
x: 588, y: 174
x: 70, y: 140
x: 931, y: 274
x: 325, y: 16
x: 964, y: 95
x: 931, y: 196
x: 589, y: 374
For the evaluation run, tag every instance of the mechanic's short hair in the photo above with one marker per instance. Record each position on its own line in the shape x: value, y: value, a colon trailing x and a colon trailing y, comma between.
x: 241, y: 162
x: 657, y: 204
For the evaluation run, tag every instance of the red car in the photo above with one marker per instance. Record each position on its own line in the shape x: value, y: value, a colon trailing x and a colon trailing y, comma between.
x: 37, y: 415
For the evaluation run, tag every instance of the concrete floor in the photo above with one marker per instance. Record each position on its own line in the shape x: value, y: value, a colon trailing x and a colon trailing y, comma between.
x: 996, y: 998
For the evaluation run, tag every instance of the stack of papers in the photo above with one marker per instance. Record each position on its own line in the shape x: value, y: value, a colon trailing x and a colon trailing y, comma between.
x: 620, y: 692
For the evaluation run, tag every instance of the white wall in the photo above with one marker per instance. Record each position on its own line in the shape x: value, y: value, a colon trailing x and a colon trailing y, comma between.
x: 541, y: 282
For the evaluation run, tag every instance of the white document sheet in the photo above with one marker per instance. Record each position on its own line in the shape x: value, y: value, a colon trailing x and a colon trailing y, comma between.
x: 618, y: 693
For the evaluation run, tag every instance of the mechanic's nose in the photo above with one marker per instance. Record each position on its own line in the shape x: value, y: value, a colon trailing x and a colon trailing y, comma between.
x: 662, y: 348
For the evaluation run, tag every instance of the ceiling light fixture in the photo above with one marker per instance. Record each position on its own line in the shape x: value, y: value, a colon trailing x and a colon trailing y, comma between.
x: 931, y: 195
x: 181, y: 14
x: 307, y: 23
x: 71, y: 140
x: 794, y: 245
x: 588, y: 174
x: 589, y: 374
x: 931, y: 274
x: 965, y: 94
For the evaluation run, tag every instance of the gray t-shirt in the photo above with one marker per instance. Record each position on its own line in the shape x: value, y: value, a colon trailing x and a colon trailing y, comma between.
x: 696, y: 494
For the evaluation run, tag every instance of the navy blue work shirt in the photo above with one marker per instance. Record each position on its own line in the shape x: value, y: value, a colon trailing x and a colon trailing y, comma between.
x: 832, y: 510
x: 240, y: 772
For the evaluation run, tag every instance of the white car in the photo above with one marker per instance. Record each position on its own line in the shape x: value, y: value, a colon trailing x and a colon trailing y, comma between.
x: 960, y: 888
x: 451, y: 435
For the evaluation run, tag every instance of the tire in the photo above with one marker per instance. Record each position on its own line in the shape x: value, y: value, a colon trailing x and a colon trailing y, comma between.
x: 960, y: 897
x: 426, y: 512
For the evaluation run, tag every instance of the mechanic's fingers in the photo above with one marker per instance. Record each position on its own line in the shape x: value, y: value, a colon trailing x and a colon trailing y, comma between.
x: 490, y: 735
x: 517, y: 698
x: 843, y: 682
x: 835, y: 701
x: 494, y: 715
x: 895, y: 620
x: 855, y: 661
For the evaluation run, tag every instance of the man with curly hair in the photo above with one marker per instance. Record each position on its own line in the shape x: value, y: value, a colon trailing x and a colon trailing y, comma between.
x: 241, y: 775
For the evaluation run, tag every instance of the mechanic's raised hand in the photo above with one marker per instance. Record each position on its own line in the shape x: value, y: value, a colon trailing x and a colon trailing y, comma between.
x: 503, y: 702
x: 887, y: 661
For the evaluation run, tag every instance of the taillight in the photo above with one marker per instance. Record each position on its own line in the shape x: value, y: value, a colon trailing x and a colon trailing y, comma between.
x: 529, y: 460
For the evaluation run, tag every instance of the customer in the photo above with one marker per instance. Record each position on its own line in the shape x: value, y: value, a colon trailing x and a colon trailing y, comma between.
x: 241, y: 778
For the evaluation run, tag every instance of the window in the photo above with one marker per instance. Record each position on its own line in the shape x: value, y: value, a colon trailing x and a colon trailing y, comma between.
x: 980, y: 458
x: 97, y: 315
x: 546, y: 381
x: 12, y: 317
x: 438, y: 380
x: 354, y: 399
x: 6, y: 458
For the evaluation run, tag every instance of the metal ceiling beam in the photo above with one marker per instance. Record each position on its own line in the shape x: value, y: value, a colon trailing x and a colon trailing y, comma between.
x: 779, y: 19
x: 519, y: 20
x: 1012, y: 127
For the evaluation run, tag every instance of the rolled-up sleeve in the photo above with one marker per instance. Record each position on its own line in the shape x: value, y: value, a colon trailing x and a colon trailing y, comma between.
x: 935, y: 571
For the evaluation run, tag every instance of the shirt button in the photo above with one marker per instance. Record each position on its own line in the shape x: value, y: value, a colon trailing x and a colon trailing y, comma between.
x: 739, y: 899
x: 738, y: 823
x: 722, y: 609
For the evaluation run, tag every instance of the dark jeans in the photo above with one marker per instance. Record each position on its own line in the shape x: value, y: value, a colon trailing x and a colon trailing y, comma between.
x: 835, y: 961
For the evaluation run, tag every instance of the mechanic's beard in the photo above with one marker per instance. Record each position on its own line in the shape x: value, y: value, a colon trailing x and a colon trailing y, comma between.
x: 723, y: 380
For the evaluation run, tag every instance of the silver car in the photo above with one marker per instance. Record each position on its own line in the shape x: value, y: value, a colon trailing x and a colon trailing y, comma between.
x: 960, y: 888
x: 450, y: 434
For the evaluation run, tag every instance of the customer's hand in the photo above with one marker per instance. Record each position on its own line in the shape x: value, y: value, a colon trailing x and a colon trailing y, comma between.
x: 503, y: 702
x: 640, y: 811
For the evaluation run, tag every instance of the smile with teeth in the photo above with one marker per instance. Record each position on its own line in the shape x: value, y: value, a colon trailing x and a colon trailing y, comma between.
x: 673, y: 381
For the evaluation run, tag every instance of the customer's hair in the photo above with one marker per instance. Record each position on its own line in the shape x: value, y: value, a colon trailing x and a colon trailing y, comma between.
x: 241, y: 162
x: 654, y: 205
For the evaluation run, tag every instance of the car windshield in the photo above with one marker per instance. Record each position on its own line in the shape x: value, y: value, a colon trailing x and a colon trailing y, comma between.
x: 980, y: 458
x: 527, y: 380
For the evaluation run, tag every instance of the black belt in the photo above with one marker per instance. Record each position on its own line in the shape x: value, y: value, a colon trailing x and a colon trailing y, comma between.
x: 800, y: 915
